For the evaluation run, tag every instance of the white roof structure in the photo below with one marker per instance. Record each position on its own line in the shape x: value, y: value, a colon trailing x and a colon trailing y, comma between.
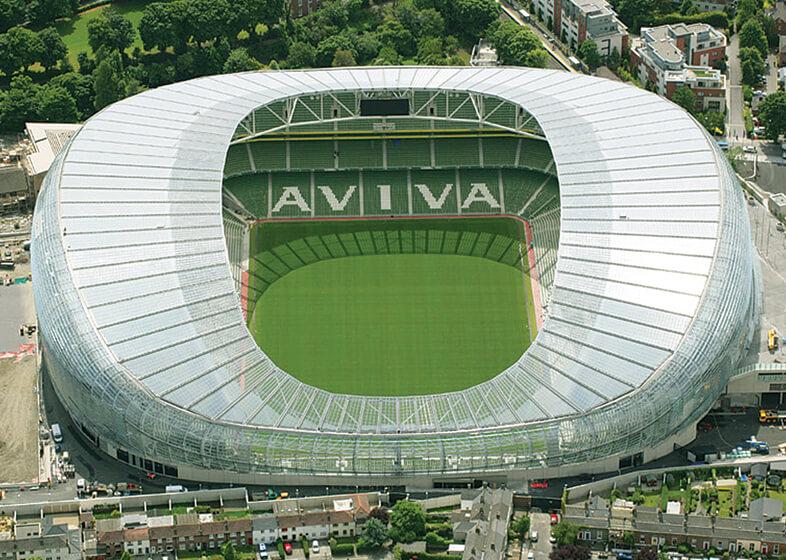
x: 654, y: 286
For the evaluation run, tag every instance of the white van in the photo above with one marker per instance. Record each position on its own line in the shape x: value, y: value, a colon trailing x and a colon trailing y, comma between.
x: 175, y: 488
x: 57, y: 435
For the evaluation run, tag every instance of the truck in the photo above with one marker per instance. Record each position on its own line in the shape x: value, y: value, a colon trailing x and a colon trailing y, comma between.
x: 772, y: 416
x: 760, y: 447
x: 57, y: 434
x: 772, y: 340
x: 175, y: 488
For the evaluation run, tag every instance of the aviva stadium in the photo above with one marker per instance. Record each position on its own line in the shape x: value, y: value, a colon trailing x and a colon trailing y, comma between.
x: 399, y: 275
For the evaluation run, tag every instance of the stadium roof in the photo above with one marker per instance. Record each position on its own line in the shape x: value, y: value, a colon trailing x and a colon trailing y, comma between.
x: 141, y: 223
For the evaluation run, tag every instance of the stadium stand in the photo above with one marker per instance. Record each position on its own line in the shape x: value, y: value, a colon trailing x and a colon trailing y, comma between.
x: 403, y: 153
x: 545, y: 232
x: 266, y: 155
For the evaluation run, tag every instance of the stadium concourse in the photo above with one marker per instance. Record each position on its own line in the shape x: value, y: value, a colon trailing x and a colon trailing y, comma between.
x: 171, y: 215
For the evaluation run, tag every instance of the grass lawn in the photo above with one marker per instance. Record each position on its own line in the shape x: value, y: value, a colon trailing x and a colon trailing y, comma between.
x: 725, y: 498
x: 394, y: 324
x: 74, y: 30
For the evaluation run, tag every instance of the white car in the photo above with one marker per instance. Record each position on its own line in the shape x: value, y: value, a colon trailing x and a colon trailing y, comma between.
x: 315, y: 547
x: 530, y: 555
x: 749, y: 149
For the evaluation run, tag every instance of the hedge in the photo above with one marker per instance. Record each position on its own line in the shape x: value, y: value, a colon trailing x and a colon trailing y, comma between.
x: 716, y: 19
x: 428, y: 556
x: 342, y: 550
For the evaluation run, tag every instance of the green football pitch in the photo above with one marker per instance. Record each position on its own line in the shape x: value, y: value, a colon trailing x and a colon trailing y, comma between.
x: 403, y: 324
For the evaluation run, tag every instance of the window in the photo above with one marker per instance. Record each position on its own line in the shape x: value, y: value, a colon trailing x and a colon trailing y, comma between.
x: 122, y: 455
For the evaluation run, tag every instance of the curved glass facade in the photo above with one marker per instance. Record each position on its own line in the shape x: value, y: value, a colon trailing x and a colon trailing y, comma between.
x: 654, y: 298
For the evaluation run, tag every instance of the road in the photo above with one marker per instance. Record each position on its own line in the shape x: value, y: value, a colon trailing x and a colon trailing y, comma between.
x: 539, y: 522
x: 557, y: 60
x: 772, y: 74
x: 735, y: 126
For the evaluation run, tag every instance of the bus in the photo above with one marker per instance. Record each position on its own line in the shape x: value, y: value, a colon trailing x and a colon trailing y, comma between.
x: 57, y: 435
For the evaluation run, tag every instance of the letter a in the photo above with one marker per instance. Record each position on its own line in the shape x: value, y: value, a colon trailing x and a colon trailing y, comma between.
x: 291, y: 197
x: 480, y: 193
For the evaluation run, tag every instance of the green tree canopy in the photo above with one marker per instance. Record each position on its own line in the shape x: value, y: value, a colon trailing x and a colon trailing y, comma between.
x: 772, y: 112
x: 158, y: 27
x: 752, y: 65
x: 407, y: 521
x: 375, y: 534
x: 752, y: 35
x: 301, y: 55
x: 80, y: 86
x: 685, y: 98
x: 517, y: 45
x: 430, y: 51
x: 19, y: 48
x: 228, y: 551
x: 565, y: 532
x: 106, y: 81
x: 110, y: 31
x: 470, y: 18
x: 589, y: 53
x: 53, y: 47
x: 326, y: 50
x: 41, y: 12
x: 12, y: 12
x: 343, y: 58
x: 520, y: 526
x: 17, y: 103
x: 240, y: 61
x: 55, y: 104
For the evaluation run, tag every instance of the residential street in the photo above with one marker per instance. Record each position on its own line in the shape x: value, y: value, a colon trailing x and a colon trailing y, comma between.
x: 772, y: 73
x: 735, y: 128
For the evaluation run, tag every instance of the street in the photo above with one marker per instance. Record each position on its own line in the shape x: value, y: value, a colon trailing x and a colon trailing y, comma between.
x: 557, y: 60
x: 735, y: 127
x: 540, y: 523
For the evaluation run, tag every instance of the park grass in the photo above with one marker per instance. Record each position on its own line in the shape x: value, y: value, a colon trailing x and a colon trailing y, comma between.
x: 393, y: 325
x: 73, y: 30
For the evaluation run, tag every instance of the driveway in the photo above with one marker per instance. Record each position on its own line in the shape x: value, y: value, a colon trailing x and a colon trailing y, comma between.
x: 541, y: 523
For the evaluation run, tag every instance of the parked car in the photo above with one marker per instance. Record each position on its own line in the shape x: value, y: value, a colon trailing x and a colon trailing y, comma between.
x: 262, y: 552
x: 533, y: 536
x: 530, y: 555
x: 288, y: 548
x: 315, y: 547
x: 554, y: 518
x: 749, y: 149
x: 552, y: 539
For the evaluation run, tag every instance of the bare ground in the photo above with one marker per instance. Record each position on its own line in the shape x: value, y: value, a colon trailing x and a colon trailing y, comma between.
x: 19, y: 420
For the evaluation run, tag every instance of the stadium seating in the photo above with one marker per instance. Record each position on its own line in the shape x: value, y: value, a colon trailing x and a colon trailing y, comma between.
x: 237, y: 161
x: 250, y: 191
x: 312, y: 154
x: 270, y: 155
x: 499, y: 152
x: 359, y: 154
x: 457, y: 152
x: 404, y: 153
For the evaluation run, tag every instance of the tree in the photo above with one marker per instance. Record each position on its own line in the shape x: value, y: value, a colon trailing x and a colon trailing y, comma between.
x: 240, y: 61
x: 12, y: 12
x: 228, y: 551
x: 746, y: 9
x: 520, y: 526
x: 19, y: 48
x: 367, y: 46
x: 375, y: 534
x: 407, y: 521
x: 752, y: 65
x: 431, y: 23
x: 301, y: 55
x: 430, y: 51
x: 713, y: 121
x: 343, y: 58
x: 387, y: 57
x: 110, y: 31
x: 614, y: 59
x: 157, y: 27
x: 55, y: 104
x: 80, y: 87
x: 17, y: 103
x: 41, y: 12
x: 326, y: 50
x: 570, y: 552
x: 772, y: 113
x: 685, y: 98
x: 589, y: 53
x: 204, y: 19
x: 382, y: 514
x: 470, y: 18
x: 107, y: 81
x: 565, y: 532
x: 53, y: 48
x: 517, y: 45
x: 393, y: 34
x: 752, y: 35
x: 126, y: 555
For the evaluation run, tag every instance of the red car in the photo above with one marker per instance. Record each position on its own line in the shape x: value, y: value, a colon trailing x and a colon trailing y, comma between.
x: 554, y: 518
x: 288, y: 548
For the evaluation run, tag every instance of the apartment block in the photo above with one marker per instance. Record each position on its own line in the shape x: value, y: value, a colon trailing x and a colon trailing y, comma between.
x: 575, y: 21
x: 673, y: 56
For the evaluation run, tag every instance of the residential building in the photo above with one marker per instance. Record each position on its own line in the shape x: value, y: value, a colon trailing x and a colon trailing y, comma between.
x: 482, y: 524
x: 14, y: 190
x: 714, y: 5
x: 264, y: 529
x: 46, y: 141
x: 673, y: 56
x: 299, y: 8
x: 782, y: 50
x: 778, y: 13
x: 41, y: 539
x: 575, y: 21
